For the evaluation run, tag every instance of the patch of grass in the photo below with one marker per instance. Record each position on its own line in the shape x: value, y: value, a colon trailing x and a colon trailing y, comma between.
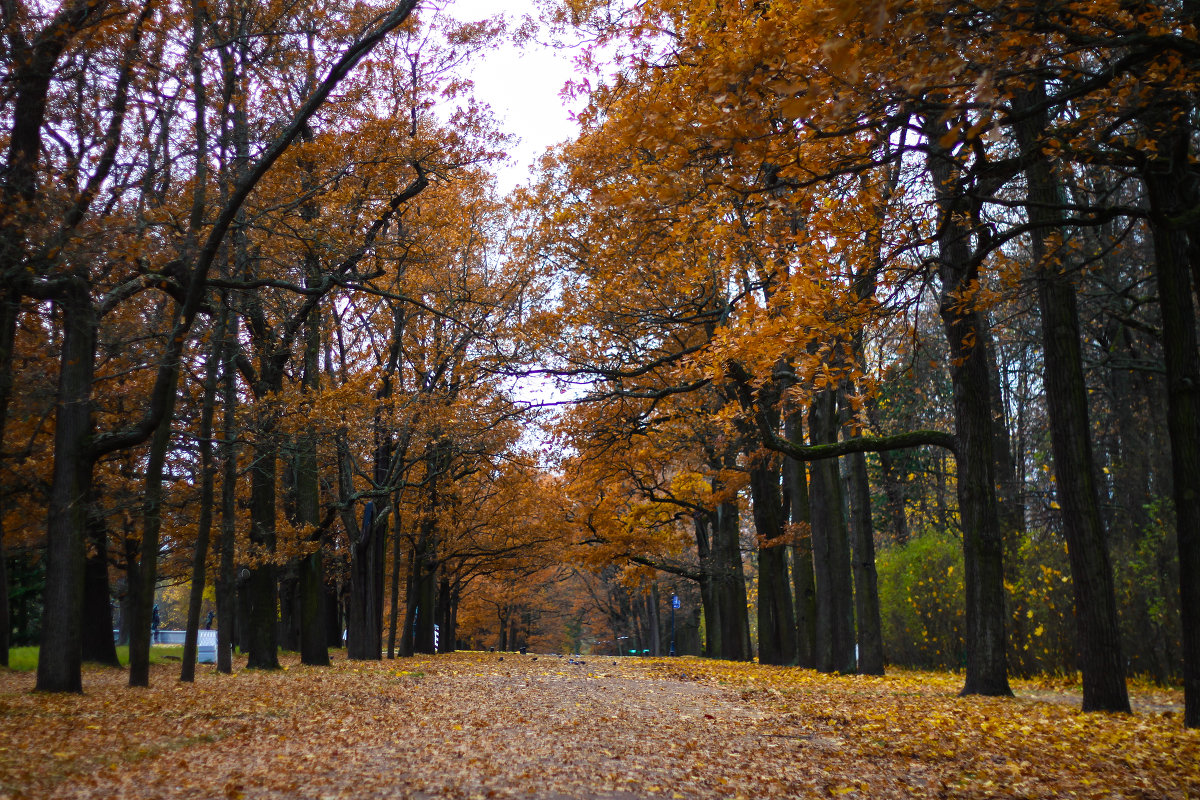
x: 25, y: 659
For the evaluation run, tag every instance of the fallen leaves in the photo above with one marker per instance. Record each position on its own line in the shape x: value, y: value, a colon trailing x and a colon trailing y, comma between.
x: 470, y: 725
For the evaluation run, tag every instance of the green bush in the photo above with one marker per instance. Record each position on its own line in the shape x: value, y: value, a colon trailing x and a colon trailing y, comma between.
x: 921, y: 601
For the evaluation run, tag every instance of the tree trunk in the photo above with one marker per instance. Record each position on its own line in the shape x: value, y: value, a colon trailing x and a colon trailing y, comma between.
x: 226, y: 577
x: 394, y: 616
x: 363, y: 626
x: 287, y: 633
x: 314, y: 646
x: 653, y: 620
x: 425, y: 586
x: 1165, y: 175
x: 832, y: 571
x: 98, y: 644
x: 187, y: 671
x: 445, y: 615
x: 260, y: 634
x: 795, y: 483
x: 1070, y: 432
x: 729, y: 584
x: 410, y: 618
x: 703, y: 523
x: 144, y: 587
x: 983, y: 540
x: 60, y: 655
x: 866, y: 581
x: 776, y: 617
x: 10, y: 309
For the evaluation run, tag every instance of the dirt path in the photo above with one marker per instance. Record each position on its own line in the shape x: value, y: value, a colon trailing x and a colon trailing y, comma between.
x: 521, y: 728
x: 487, y: 726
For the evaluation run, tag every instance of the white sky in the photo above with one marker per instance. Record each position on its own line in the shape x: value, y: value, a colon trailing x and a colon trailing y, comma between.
x: 523, y: 87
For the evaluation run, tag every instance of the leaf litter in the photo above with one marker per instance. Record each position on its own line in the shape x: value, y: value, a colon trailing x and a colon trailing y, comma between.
x: 481, y: 725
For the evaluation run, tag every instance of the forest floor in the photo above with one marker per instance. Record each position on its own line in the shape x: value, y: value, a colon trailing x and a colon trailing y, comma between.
x: 492, y: 725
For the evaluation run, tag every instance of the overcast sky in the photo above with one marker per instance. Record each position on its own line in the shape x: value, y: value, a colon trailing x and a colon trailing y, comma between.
x: 523, y: 86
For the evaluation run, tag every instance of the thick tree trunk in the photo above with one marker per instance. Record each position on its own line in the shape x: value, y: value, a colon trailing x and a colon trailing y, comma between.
x: 60, y: 655
x: 5, y: 613
x: 98, y: 644
x: 314, y: 646
x: 1070, y: 434
x: 287, y: 634
x: 364, y: 629
x: 832, y: 572
x: 703, y: 523
x: 776, y: 617
x: 445, y: 616
x: 983, y: 540
x: 260, y: 635
x: 1165, y: 176
x: 729, y: 584
x: 410, y: 610
x: 795, y: 483
x: 866, y: 581
x: 424, y: 597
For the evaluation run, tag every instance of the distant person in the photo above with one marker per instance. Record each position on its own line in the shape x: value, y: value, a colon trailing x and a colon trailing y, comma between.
x: 155, y: 621
x: 208, y: 621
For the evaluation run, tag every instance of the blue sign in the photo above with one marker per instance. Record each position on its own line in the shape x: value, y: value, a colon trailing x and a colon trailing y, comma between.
x: 675, y: 601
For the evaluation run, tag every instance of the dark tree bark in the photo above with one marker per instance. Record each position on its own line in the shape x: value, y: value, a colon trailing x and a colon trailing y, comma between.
x: 394, y: 617
x: 445, y: 615
x: 983, y: 541
x: 217, y: 356
x: 1166, y: 176
x: 424, y: 588
x: 98, y: 643
x: 799, y: 512
x: 776, y: 617
x: 702, y: 524
x: 831, y: 547
x: 729, y: 584
x: 260, y: 635
x: 862, y: 541
x: 10, y: 310
x: 365, y: 623
x: 226, y: 578
x: 1070, y: 432
x: 60, y: 654
x: 142, y: 590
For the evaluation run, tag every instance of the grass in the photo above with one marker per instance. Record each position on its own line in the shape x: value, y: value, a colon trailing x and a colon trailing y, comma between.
x: 24, y: 659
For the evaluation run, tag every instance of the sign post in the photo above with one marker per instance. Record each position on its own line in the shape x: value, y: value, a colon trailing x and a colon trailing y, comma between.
x: 674, y: 606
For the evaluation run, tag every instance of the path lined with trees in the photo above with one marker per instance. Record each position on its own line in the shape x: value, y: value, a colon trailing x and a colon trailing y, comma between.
x: 873, y: 327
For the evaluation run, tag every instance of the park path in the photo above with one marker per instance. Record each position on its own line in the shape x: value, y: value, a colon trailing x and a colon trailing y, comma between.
x: 463, y: 726
x: 490, y: 725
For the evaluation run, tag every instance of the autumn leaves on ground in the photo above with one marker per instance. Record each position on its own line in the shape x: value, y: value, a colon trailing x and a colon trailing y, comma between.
x: 507, y: 725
